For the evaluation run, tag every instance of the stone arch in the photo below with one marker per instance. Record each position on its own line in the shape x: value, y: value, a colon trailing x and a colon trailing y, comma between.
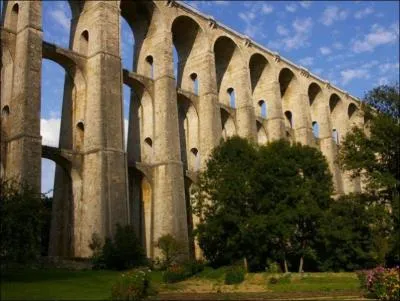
x: 228, y: 124
x: 144, y: 19
x: 188, y: 132
x: 288, y: 119
x: 229, y: 65
x: 338, y: 116
x: 188, y: 38
x: 141, y: 127
x: 84, y: 42
x: 141, y: 207
x: 261, y: 76
x: 74, y: 102
x: 318, y: 110
x: 289, y: 90
x: 262, y: 109
x: 262, y: 137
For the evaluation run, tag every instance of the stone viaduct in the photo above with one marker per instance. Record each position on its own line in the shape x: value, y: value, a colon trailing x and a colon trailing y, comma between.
x: 226, y: 85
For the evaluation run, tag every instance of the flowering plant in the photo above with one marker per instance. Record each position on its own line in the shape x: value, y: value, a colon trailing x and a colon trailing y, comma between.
x: 381, y: 283
x: 133, y: 286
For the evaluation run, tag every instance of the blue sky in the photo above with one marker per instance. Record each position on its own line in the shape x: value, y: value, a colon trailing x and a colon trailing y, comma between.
x: 352, y: 44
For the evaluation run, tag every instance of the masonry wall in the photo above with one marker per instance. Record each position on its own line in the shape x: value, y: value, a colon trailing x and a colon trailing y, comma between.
x: 174, y: 123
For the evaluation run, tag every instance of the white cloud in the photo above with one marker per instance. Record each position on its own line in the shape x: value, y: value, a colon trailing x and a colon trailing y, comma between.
x: 350, y: 74
x: 325, y: 50
x: 61, y: 18
x: 338, y: 45
x: 305, y: 4
x: 318, y: 71
x: 294, y: 40
x: 267, y: 9
x: 376, y: 37
x: 282, y: 30
x: 247, y: 17
x: 307, y: 61
x: 252, y: 28
x: 50, y: 131
x: 388, y: 67
x: 363, y: 13
x: 332, y: 14
x: 291, y: 8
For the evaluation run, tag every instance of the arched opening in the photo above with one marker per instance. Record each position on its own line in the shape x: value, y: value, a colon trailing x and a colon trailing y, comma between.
x: 227, y: 124
x: 80, y: 135
x: 141, y: 207
x: 315, y: 129
x: 148, y: 150
x: 232, y: 97
x: 14, y: 17
x: 187, y: 37
x: 262, y: 108
x: 136, y: 33
x: 150, y: 66
x: 338, y: 117
x: 288, y: 120
x: 195, y: 81
x: 56, y: 21
x: 228, y: 65
x: 351, y: 110
x: 286, y: 78
x: 261, y: 134
x: 335, y: 136
x: 84, y: 43
x: 5, y: 111
x: 188, y: 133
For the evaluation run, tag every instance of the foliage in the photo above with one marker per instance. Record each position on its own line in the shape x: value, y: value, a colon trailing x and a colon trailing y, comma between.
x: 133, y: 285
x: 22, y: 217
x: 171, y: 250
x: 266, y: 202
x: 352, y: 234
x: 381, y: 283
x: 234, y: 275
x: 120, y: 253
x: 284, y: 279
x: 272, y: 267
x: 182, y: 271
x: 375, y: 155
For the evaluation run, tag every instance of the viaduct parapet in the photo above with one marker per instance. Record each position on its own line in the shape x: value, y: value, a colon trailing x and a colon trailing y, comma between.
x: 226, y: 85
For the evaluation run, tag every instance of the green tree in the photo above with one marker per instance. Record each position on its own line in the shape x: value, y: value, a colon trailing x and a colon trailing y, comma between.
x: 22, y: 216
x: 261, y: 202
x: 375, y: 153
x: 353, y: 234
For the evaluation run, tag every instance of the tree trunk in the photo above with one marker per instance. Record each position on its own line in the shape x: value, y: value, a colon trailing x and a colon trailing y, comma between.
x: 301, y: 264
x: 245, y: 264
x: 285, y: 265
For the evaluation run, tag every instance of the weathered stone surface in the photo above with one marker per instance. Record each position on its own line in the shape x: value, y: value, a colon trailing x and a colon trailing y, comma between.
x: 173, y: 123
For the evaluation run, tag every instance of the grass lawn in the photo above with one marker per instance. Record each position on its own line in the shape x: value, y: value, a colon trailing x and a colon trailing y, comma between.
x: 59, y: 284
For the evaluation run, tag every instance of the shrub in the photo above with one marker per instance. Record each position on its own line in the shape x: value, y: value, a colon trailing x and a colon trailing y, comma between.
x: 179, y: 272
x: 133, y: 285
x: 381, y: 283
x: 273, y: 280
x: 171, y: 250
x: 122, y: 252
x: 22, y: 218
x: 273, y: 267
x: 234, y: 275
x: 285, y: 279
x: 175, y: 273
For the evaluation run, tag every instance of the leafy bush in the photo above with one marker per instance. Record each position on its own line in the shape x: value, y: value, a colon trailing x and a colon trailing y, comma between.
x: 381, y: 283
x: 273, y: 280
x: 22, y: 218
x: 234, y: 275
x: 122, y: 252
x: 171, y: 250
x: 133, y: 285
x: 273, y: 267
x: 179, y: 272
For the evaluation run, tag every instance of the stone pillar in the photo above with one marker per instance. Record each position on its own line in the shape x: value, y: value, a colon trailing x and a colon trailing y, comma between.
x: 328, y: 146
x: 245, y: 117
x: 23, y: 144
x: 169, y: 192
x: 275, y: 121
x: 104, y: 201
x: 209, y: 114
x: 302, y: 120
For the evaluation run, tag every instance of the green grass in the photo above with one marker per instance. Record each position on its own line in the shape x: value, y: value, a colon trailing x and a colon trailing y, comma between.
x: 312, y: 282
x: 61, y: 284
